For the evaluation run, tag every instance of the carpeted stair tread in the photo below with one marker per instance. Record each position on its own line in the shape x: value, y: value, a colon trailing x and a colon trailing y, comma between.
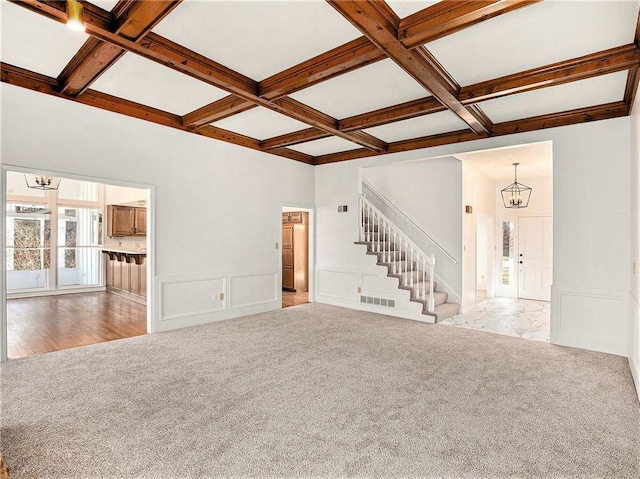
x: 440, y: 297
x: 444, y: 311
x: 399, y: 267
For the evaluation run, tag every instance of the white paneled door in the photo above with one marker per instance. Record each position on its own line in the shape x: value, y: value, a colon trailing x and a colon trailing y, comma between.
x: 535, y: 257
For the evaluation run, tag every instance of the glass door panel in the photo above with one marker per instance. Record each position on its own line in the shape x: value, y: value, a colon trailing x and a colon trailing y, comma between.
x: 28, y: 247
x: 78, y: 253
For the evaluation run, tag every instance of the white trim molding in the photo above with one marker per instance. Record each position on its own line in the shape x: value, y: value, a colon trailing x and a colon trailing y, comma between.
x: 588, y: 318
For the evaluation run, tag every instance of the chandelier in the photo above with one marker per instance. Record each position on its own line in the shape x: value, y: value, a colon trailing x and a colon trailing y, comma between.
x: 43, y: 182
x: 516, y: 195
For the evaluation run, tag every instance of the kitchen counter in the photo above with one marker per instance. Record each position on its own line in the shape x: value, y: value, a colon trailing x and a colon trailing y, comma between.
x: 126, y: 273
x: 130, y: 256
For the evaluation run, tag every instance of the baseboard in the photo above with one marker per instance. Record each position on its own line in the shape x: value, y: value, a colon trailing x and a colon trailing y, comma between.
x: 56, y: 292
x: 634, y: 340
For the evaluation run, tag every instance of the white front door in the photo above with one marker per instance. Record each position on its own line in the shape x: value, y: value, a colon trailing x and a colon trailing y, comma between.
x: 535, y: 257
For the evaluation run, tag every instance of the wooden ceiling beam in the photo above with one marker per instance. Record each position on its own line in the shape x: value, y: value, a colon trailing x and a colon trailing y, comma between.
x: 345, y: 58
x: 132, y: 20
x: 164, y: 51
x: 86, y: 66
x: 581, y: 68
x: 155, y: 48
x: 56, y: 10
x: 295, y: 138
x: 33, y: 81
x: 379, y: 23
x: 294, y: 109
x: 631, y: 89
x: 216, y: 111
x: 383, y: 116
x: 450, y: 16
x: 403, y: 111
x: 571, y: 117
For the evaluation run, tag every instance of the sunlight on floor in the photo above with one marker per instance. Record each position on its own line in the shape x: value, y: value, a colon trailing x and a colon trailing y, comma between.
x: 522, y: 318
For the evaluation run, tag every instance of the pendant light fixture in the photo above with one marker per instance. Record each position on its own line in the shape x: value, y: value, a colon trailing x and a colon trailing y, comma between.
x: 516, y: 195
x: 75, y: 19
x: 43, y: 182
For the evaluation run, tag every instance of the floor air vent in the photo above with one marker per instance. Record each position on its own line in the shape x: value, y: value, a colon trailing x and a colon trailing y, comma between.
x: 388, y: 303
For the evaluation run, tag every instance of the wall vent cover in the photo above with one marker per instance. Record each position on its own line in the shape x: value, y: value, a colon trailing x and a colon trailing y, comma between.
x: 387, y: 303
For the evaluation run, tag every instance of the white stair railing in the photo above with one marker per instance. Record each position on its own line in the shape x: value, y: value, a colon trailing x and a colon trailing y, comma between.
x: 394, y: 248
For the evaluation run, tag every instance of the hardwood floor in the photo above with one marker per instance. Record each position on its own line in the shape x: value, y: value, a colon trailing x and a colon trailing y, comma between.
x: 52, y: 323
x: 294, y: 299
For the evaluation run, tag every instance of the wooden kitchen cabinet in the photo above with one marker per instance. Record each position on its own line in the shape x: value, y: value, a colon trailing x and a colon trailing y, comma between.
x: 295, y: 251
x: 126, y: 221
x: 140, y: 222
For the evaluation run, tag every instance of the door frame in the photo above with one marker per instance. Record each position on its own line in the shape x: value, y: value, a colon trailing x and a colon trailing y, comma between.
x: 312, y: 247
x: 151, y: 234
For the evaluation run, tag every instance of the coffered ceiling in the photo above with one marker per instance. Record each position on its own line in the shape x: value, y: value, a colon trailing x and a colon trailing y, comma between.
x: 320, y: 82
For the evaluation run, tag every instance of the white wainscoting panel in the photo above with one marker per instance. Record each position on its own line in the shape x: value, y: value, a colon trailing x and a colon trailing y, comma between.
x: 376, y: 284
x: 192, y: 299
x: 253, y: 289
x: 339, y: 284
x: 180, y: 298
x: 590, y: 319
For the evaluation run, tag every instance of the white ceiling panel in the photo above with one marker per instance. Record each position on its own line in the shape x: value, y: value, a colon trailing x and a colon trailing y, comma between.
x: 416, y: 127
x: 36, y: 43
x: 404, y: 8
x: 138, y: 79
x: 258, y: 39
x: 536, y: 161
x: 105, y: 4
x: 591, y: 92
x: 535, y: 36
x: 375, y: 86
x: 260, y: 123
x: 325, y: 146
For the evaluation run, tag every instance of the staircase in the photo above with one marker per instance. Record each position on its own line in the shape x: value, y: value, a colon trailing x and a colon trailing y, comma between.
x: 404, y: 261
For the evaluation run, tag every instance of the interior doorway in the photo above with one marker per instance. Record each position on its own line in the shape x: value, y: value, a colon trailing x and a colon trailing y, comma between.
x: 297, y: 254
x: 57, y: 258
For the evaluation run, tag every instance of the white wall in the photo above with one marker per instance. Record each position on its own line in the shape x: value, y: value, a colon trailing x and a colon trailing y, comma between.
x: 591, y: 191
x: 217, y: 207
x: 634, y: 302
x: 477, y: 192
x: 429, y: 193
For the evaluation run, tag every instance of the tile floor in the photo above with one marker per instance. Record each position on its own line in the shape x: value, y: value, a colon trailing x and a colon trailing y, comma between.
x: 522, y: 318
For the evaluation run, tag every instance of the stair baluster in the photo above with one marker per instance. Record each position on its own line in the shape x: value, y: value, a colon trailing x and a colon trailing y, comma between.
x: 403, y: 259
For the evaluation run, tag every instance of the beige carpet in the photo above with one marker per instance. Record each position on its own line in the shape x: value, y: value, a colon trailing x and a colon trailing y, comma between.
x: 320, y: 391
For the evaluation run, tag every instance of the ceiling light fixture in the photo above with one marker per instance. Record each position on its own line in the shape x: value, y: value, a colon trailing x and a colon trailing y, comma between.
x: 43, y: 183
x: 516, y: 195
x: 75, y: 19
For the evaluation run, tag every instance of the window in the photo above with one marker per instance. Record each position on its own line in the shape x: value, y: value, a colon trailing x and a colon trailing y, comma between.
x: 52, y: 237
x: 507, y: 253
